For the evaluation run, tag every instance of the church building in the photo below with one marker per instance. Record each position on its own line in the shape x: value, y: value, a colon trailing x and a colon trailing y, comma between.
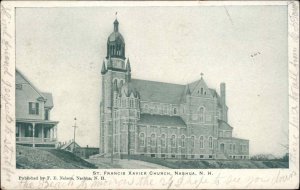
x: 162, y: 120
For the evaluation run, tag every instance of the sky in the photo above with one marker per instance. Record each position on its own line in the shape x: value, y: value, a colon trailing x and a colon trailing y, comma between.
x: 61, y: 50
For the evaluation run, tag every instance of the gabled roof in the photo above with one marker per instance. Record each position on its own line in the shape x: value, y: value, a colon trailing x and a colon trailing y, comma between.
x: 224, y: 125
x: 158, y: 91
x: 162, y: 120
x: 69, y: 144
x: 21, y: 79
x: 197, y: 84
x: 49, y: 99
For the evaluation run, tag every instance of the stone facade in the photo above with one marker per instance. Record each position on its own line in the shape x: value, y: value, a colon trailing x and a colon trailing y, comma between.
x: 161, y: 119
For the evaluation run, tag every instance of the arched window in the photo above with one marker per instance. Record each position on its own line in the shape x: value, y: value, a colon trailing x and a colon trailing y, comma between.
x: 153, y: 140
x: 121, y: 83
x: 155, y: 109
x: 233, y: 147
x: 127, y: 102
x: 173, y: 141
x: 201, y: 90
x: 131, y: 103
x: 201, y: 114
x: 182, y: 141
x: 175, y: 111
x: 163, y: 140
x: 192, y: 141
x: 146, y: 107
x: 210, y: 142
x: 116, y: 101
x: 142, y: 139
x: 123, y: 103
x: 201, y: 142
x: 166, y: 109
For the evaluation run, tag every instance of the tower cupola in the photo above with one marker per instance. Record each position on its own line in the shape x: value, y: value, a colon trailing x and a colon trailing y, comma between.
x: 116, y: 43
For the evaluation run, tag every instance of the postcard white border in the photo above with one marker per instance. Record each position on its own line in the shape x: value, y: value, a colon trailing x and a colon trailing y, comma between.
x: 221, y: 178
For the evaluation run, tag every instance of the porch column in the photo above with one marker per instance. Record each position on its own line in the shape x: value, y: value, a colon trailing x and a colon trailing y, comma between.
x: 50, y: 130
x: 20, y: 131
x: 42, y: 132
x: 33, y: 126
x: 54, y: 132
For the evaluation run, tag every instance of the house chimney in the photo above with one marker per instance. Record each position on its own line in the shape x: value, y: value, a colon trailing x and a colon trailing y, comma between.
x: 223, y: 93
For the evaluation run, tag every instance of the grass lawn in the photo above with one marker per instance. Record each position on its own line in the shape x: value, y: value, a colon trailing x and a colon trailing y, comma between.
x: 28, y: 157
x: 213, y: 164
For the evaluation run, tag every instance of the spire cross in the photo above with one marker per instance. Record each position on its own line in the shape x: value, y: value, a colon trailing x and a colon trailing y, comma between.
x: 201, y: 74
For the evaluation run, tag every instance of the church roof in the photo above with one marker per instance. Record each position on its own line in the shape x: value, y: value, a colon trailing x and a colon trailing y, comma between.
x: 158, y: 91
x: 162, y: 120
x: 224, y: 125
x: 232, y: 138
x: 69, y: 144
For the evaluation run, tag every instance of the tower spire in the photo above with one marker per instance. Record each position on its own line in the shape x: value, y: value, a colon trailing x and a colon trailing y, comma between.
x: 128, y: 68
x: 188, y: 92
x: 103, y: 70
x: 116, y: 25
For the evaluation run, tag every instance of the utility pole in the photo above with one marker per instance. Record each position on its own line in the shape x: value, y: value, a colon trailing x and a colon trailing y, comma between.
x: 74, y: 134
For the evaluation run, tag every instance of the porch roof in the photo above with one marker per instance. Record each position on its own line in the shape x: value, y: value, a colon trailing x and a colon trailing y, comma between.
x: 37, y: 121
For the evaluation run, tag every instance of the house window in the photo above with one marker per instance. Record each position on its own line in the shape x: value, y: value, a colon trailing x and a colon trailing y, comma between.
x: 233, y: 147
x: 28, y: 131
x: 192, y: 141
x: 153, y: 140
x: 142, y: 139
x: 201, y: 114
x: 182, y: 141
x: 210, y: 142
x: 46, y: 114
x: 230, y: 147
x: 175, y: 111
x: 19, y: 86
x: 173, y: 141
x: 201, y: 90
x: 201, y: 142
x: 123, y: 102
x: 17, y: 130
x: 163, y: 140
x: 33, y: 108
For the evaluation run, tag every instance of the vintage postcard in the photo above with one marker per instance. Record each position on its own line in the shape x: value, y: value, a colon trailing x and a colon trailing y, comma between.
x: 149, y: 95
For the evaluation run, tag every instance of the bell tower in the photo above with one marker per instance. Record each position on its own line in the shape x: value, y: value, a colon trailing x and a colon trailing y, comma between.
x: 115, y: 73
